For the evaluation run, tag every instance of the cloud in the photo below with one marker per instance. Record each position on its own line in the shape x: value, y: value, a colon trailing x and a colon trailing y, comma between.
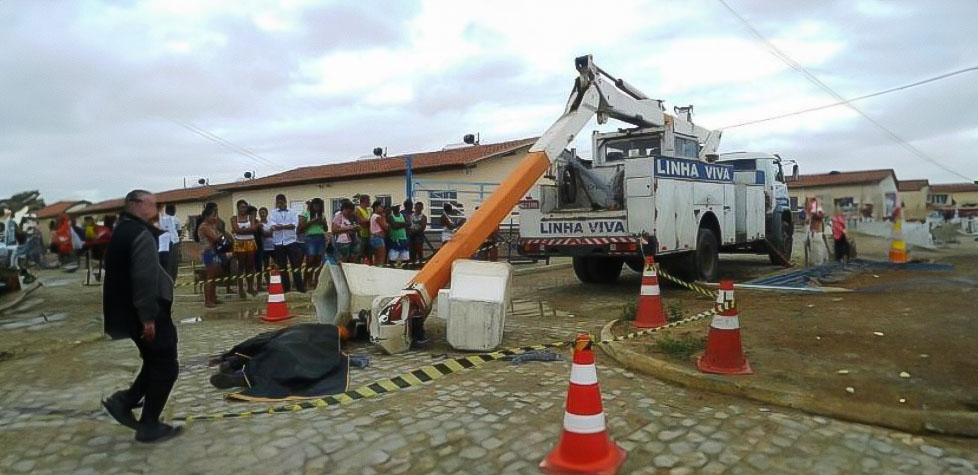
x: 92, y: 88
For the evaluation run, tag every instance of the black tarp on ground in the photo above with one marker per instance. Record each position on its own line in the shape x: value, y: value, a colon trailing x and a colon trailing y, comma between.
x: 298, y: 362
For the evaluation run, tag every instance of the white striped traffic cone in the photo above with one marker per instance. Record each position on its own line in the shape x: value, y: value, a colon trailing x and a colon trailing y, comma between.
x: 584, y: 445
x: 724, y: 353
x: 648, y: 313
x: 277, y: 308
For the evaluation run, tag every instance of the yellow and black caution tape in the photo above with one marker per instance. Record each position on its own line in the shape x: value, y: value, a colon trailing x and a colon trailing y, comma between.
x: 699, y: 316
x: 417, y: 377
x: 233, y: 278
x: 303, y: 268
x: 426, y: 374
x: 689, y: 285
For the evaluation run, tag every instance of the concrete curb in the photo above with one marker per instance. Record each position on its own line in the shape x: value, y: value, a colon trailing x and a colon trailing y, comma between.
x: 543, y: 268
x: 957, y: 423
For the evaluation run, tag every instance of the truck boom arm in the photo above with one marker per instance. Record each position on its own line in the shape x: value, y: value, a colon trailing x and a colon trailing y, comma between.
x: 592, y: 95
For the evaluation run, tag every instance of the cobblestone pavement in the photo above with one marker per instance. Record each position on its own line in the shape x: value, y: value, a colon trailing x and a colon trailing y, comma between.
x: 499, y: 418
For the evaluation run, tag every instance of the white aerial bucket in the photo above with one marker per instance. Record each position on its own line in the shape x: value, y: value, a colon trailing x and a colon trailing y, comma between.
x: 476, y: 304
x: 347, y: 289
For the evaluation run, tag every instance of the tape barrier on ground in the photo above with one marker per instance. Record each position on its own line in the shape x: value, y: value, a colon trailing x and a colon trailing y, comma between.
x: 699, y: 316
x: 303, y: 268
x: 426, y: 374
x: 244, y: 276
x: 689, y: 285
x: 417, y: 377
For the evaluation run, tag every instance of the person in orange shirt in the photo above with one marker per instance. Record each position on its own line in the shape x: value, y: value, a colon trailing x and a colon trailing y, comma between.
x: 839, y: 236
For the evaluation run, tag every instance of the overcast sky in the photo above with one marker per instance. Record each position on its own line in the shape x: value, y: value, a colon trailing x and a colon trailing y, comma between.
x: 97, y: 98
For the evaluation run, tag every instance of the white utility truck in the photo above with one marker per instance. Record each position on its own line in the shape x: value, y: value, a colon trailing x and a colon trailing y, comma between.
x: 661, y: 191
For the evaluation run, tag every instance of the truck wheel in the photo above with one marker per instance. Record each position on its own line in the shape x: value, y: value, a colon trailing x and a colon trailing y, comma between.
x: 582, y: 269
x: 637, y: 265
x: 604, y: 270
x: 706, y: 259
x: 785, y: 243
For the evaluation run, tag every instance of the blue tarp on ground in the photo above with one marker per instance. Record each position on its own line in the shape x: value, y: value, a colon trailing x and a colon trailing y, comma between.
x: 802, y: 277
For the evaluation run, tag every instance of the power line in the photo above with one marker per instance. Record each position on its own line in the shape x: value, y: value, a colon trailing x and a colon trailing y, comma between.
x: 226, y: 143
x: 847, y: 101
x: 814, y: 80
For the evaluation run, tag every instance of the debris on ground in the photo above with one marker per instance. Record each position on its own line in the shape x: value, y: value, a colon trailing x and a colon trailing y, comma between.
x: 534, y: 356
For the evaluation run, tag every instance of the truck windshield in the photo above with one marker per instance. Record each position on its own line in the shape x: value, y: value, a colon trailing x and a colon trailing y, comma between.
x: 742, y: 165
x: 631, y: 148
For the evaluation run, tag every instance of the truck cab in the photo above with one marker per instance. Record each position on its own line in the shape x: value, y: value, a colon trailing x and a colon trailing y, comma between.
x: 769, y: 169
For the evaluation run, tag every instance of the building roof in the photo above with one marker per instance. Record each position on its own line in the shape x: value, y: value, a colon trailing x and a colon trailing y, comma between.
x: 114, y: 204
x: 187, y: 194
x: 170, y: 196
x: 54, y: 210
x: 954, y: 188
x: 456, y: 157
x: 912, y: 185
x: 841, y: 178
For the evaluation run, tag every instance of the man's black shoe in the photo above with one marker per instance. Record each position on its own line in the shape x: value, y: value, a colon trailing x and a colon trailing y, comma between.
x: 156, y: 432
x: 225, y: 381
x: 116, y: 406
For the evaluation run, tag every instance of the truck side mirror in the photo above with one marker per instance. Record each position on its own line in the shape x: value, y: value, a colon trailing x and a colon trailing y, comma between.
x: 794, y: 172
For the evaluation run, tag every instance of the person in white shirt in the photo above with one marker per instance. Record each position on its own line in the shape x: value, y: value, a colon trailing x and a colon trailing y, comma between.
x: 169, y: 241
x: 283, y: 224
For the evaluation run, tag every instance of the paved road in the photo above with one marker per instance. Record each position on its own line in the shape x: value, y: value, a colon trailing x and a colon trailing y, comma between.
x: 496, y: 419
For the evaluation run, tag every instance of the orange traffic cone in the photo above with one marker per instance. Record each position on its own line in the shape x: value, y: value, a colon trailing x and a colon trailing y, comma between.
x: 898, y: 247
x: 724, y: 354
x: 277, y: 309
x: 649, y: 313
x: 584, y: 445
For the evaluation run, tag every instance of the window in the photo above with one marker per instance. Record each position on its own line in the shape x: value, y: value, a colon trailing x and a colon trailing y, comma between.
x: 794, y: 202
x: 436, y: 202
x: 628, y: 148
x: 937, y: 199
x: 687, y: 148
x: 334, y: 204
x: 386, y: 199
x: 846, y: 203
x: 297, y: 205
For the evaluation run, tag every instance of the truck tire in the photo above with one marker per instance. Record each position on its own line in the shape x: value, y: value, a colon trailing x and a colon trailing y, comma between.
x: 785, y: 243
x: 637, y: 265
x: 604, y: 270
x: 582, y: 270
x: 705, y: 261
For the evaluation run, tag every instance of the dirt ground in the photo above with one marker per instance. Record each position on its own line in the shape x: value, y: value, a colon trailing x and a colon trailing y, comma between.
x: 920, y: 323
x: 927, y: 320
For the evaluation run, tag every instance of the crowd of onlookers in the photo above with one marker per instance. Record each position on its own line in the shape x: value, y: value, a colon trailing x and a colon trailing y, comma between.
x: 298, y: 243
x: 241, y: 248
x: 22, y: 243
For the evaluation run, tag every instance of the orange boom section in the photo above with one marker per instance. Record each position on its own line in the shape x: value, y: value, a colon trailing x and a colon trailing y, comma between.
x: 437, y: 272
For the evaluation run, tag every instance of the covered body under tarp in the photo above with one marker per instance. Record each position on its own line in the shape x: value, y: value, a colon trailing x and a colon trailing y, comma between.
x: 299, y: 362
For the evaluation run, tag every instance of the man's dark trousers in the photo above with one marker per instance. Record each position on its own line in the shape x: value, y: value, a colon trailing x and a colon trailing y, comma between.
x: 294, y: 254
x: 160, y: 368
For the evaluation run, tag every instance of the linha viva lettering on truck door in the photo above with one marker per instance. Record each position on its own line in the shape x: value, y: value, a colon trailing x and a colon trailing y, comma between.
x: 582, y: 227
x: 692, y: 170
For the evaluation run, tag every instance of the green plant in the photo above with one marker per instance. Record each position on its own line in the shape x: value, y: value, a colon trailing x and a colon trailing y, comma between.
x: 682, y: 347
x: 628, y: 311
x: 675, y: 311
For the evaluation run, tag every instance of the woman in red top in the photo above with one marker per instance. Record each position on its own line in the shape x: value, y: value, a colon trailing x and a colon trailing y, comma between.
x: 839, y: 235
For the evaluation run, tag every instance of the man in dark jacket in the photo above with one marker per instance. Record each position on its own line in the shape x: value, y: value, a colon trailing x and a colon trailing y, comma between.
x: 136, y: 301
